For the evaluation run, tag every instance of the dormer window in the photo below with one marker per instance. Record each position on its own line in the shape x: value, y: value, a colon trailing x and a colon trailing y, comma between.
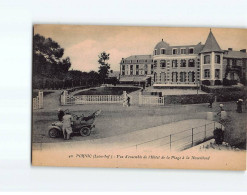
x: 191, y: 50
x: 174, y: 51
x: 163, y: 51
x: 130, y: 61
x: 155, y: 52
x: 137, y: 61
x: 183, y: 51
x: 123, y: 61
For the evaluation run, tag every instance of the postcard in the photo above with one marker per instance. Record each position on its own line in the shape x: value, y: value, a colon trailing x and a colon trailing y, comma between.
x: 139, y: 97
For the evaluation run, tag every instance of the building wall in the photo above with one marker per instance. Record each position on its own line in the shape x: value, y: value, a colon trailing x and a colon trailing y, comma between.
x: 168, y: 74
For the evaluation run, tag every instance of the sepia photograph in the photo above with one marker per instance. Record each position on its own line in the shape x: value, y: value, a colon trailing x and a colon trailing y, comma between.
x: 139, y: 97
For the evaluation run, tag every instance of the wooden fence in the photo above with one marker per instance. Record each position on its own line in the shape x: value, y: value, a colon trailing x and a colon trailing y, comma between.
x: 38, y: 101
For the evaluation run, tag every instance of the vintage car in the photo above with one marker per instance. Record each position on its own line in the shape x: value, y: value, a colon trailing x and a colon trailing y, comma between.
x: 80, y: 125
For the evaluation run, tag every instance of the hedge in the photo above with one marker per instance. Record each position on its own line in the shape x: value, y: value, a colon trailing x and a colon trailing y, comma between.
x: 188, y: 99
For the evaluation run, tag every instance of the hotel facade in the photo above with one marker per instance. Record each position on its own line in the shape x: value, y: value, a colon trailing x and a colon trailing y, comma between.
x: 187, y: 65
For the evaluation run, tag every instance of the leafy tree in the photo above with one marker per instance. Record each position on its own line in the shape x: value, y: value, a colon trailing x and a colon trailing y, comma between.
x: 104, y: 66
x: 47, y: 58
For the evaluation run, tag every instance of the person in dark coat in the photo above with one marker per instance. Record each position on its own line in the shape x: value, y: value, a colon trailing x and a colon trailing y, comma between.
x: 60, y: 114
x: 239, y: 105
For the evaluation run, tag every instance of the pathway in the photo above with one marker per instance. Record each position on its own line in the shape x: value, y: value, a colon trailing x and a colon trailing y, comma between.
x: 143, y: 138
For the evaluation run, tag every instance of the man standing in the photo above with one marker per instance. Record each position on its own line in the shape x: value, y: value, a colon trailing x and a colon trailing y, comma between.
x: 60, y: 114
x: 67, y: 129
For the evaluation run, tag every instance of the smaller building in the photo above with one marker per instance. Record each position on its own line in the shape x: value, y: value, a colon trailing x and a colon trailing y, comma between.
x: 136, y: 69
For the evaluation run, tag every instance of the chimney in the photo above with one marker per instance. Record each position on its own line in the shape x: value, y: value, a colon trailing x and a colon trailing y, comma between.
x: 229, y: 49
x: 243, y: 50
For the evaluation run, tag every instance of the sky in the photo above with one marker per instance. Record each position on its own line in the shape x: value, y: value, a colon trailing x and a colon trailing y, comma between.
x: 83, y: 44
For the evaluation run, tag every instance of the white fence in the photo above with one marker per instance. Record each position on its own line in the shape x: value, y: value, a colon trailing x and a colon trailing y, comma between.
x: 38, y: 101
x: 90, y: 99
x: 151, y: 100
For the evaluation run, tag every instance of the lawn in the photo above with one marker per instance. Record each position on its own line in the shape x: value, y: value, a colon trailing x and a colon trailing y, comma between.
x: 107, y: 91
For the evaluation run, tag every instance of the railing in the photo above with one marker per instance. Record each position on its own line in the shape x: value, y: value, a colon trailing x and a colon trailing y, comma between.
x: 97, y: 99
x: 151, y: 100
x: 38, y: 101
x: 182, y: 140
x: 90, y: 99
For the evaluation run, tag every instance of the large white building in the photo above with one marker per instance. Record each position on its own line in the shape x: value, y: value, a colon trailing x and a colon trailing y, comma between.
x: 185, y: 66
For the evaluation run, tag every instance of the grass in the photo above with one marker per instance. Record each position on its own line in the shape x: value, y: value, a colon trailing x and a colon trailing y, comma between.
x: 108, y: 91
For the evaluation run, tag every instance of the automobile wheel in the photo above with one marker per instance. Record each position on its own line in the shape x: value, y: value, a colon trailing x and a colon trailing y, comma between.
x: 53, y: 133
x: 85, y: 131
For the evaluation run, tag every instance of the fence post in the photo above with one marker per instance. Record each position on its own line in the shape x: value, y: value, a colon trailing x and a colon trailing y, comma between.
x: 205, y: 131
x: 40, y: 98
x: 170, y: 142
x: 140, y: 98
x: 192, y: 136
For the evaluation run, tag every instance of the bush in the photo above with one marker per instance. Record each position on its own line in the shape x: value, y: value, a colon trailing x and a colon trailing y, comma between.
x: 206, y: 82
x: 217, y: 82
x: 218, y: 136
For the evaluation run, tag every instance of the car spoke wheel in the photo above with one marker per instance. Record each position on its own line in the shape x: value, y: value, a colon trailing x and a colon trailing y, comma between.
x: 85, y: 131
x: 53, y: 133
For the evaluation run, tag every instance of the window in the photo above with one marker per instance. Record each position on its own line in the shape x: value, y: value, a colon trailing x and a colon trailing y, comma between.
x: 191, y: 63
x: 137, y: 66
x: 130, y: 61
x: 207, y: 59
x: 183, y: 51
x: 123, y: 72
x: 152, y: 66
x: 230, y: 62
x: 174, y: 51
x: 123, y: 61
x: 183, y: 63
x: 217, y: 73
x: 217, y: 59
x: 137, y: 61
x: 146, y: 72
x: 191, y: 76
x: 206, y: 73
x: 182, y: 76
x: 155, y: 52
x: 155, y: 63
x: 162, y: 63
x: 123, y: 67
x: 163, y: 51
x: 174, y: 77
x: 131, y: 69
x: 162, y: 76
x: 174, y: 63
x: 137, y: 72
x: 191, y: 50
x: 146, y: 61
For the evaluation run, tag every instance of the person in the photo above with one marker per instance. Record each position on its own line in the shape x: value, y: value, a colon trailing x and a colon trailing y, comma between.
x: 211, y: 103
x: 128, y: 101
x: 67, y: 129
x: 239, y: 105
x: 60, y: 114
x: 221, y: 109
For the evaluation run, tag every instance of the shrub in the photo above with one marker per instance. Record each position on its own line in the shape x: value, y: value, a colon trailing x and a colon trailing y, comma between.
x: 218, y: 136
x: 206, y: 82
x: 217, y: 82
x: 226, y: 82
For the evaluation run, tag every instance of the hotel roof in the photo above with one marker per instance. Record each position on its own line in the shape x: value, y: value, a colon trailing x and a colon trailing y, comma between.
x: 211, y: 44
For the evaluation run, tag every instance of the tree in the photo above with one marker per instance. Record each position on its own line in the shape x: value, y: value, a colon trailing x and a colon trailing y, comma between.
x: 47, y: 58
x: 104, y: 66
